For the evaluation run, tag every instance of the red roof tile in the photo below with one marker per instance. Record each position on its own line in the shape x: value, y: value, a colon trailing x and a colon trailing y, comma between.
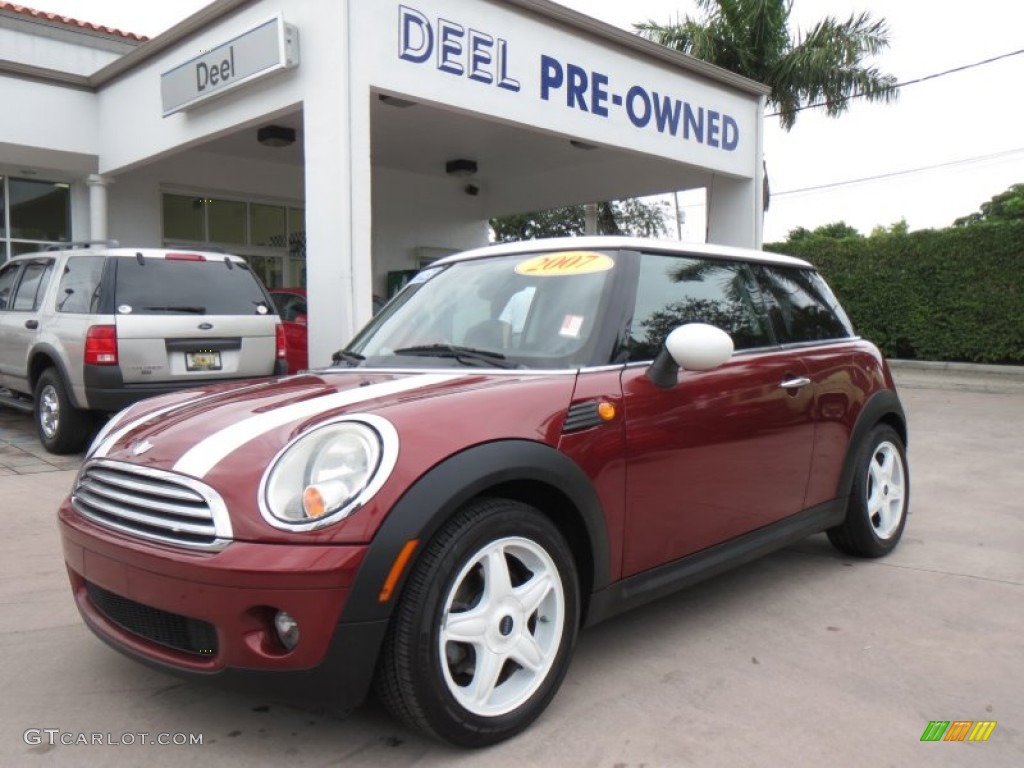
x: 68, y: 21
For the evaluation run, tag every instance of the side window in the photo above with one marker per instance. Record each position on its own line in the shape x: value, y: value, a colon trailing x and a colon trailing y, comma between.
x: 33, y: 284
x: 79, y: 285
x: 675, y: 290
x: 8, y: 276
x: 801, y: 306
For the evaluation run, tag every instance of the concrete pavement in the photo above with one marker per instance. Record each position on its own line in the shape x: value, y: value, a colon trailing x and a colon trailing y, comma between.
x: 805, y: 657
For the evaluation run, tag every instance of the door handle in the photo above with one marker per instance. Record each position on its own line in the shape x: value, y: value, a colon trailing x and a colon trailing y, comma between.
x: 796, y: 383
x: 31, y: 324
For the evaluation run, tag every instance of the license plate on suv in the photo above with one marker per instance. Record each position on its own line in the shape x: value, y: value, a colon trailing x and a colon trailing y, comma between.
x: 206, y: 360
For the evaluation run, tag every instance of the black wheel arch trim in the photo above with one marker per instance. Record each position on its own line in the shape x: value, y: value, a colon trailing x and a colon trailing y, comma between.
x: 881, y: 407
x: 438, y: 494
x: 56, y: 361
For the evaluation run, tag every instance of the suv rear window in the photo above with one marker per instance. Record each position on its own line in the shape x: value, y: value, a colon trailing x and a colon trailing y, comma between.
x: 161, y: 287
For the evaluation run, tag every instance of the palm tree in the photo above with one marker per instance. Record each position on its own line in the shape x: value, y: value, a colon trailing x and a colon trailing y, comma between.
x: 752, y: 38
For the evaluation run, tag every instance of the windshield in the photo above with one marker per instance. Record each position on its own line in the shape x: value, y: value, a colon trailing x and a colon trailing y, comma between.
x: 519, y: 311
x: 163, y: 286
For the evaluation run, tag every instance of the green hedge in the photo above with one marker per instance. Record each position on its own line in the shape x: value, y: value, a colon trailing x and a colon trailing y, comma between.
x: 953, y: 294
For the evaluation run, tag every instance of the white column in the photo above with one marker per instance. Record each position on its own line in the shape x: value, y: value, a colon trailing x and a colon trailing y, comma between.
x: 98, y: 205
x: 331, y: 248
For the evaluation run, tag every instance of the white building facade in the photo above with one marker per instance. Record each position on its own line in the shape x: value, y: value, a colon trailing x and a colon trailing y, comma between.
x: 335, y: 142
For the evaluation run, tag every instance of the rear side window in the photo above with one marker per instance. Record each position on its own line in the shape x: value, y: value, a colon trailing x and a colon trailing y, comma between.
x: 675, y: 290
x: 79, y: 285
x: 150, y: 286
x: 33, y: 284
x: 8, y: 275
x: 801, y: 306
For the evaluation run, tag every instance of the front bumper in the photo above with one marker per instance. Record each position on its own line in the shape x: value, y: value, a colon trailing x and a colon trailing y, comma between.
x: 210, y: 615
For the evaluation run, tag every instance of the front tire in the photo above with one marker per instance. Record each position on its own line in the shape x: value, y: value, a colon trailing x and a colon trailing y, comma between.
x: 484, y: 632
x: 877, y: 511
x: 61, y: 427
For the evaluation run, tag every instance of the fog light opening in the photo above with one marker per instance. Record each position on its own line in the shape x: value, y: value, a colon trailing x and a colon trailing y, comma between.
x: 287, y: 629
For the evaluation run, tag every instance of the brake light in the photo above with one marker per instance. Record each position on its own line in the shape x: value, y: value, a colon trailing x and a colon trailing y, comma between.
x: 101, y: 345
x: 282, y: 346
x: 184, y: 257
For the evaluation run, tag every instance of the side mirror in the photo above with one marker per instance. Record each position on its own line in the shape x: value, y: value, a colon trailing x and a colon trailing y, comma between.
x: 692, y: 347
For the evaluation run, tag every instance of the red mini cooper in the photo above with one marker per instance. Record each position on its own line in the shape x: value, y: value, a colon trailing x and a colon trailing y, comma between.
x: 528, y: 439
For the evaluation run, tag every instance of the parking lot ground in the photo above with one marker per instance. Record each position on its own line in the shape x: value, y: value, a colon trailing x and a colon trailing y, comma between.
x: 804, y: 658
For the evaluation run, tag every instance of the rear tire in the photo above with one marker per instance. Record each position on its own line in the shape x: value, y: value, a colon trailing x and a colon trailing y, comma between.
x: 61, y: 427
x: 485, y: 628
x: 877, y: 510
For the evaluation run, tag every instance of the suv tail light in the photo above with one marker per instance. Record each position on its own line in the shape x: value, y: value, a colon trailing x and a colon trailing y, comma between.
x: 282, y: 346
x: 101, y: 345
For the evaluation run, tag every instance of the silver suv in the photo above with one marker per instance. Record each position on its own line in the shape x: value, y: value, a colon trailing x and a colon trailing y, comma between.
x: 94, y: 329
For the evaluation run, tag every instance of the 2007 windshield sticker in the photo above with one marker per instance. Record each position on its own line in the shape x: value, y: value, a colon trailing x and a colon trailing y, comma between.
x: 565, y: 263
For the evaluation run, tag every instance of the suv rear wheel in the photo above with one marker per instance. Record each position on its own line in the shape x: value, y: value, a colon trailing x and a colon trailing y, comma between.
x: 484, y: 632
x: 61, y: 427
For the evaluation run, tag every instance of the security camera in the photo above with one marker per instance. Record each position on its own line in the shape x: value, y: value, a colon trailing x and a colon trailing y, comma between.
x: 471, y: 189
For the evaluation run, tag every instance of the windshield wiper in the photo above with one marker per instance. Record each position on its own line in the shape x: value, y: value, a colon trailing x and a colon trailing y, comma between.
x: 344, y: 356
x: 462, y: 354
x: 190, y: 310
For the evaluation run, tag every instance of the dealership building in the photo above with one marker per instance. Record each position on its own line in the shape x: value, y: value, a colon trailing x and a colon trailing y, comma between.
x: 336, y: 142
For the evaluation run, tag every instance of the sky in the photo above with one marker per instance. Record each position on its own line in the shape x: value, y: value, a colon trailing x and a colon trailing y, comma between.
x: 943, y: 149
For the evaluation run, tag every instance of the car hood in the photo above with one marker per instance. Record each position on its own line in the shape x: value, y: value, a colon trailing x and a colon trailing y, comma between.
x: 197, y: 431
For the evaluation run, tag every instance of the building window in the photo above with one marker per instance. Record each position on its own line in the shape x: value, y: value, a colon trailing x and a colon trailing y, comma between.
x: 33, y: 214
x: 272, y: 238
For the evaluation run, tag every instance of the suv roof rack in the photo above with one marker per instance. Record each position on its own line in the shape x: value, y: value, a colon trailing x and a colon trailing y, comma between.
x: 81, y: 244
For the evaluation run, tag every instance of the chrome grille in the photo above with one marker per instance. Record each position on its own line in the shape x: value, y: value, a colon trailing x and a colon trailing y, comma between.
x: 152, y: 504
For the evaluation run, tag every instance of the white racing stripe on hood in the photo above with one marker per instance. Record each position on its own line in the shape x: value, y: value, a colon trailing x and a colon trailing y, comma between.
x: 111, y: 439
x: 207, y: 453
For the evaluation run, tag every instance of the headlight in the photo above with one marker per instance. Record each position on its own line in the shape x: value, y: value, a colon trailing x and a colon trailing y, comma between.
x: 327, y: 473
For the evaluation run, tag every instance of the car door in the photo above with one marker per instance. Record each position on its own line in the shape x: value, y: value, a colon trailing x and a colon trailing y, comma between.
x: 723, y: 452
x: 20, y: 320
x: 808, y: 320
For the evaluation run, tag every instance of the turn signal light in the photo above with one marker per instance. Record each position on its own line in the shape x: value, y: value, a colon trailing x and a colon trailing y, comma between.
x: 101, y: 345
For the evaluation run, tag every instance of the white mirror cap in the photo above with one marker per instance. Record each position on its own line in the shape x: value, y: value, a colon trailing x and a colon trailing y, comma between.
x: 699, y: 347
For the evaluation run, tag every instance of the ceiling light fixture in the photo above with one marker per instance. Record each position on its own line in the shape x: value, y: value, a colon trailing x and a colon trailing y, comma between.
x: 275, y: 136
x: 394, y: 101
x: 461, y: 168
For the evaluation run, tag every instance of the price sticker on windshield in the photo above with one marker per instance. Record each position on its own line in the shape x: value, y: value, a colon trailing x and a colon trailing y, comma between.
x: 565, y: 263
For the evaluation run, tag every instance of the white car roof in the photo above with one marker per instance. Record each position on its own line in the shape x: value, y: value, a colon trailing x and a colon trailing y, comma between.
x: 631, y: 243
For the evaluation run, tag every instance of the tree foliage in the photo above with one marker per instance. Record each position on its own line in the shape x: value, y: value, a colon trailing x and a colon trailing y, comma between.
x: 837, y: 230
x: 624, y: 217
x: 824, y: 65
x: 952, y: 294
x: 1006, y: 206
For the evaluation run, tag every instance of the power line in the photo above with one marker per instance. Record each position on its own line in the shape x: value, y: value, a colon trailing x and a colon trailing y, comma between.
x: 905, y: 172
x: 915, y: 81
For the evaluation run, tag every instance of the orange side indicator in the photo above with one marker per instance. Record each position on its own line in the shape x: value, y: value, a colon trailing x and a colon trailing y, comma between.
x: 606, y: 410
x: 397, y: 568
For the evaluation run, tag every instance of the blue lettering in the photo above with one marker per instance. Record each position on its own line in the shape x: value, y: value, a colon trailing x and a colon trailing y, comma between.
x: 504, y: 81
x: 449, y: 46
x: 666, y: 113
x: 640, y: 120
x: 551, y: 76
x: 576, y: 92
x: 730, y: 134
x: 599, y: 94
x: 415, y: 35
x: 713, y: 128
x: 480, y: 58
x: 694, y: 122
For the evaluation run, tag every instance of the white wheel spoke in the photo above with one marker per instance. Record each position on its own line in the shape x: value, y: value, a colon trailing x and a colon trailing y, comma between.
x: 532, y: 593
x: 497, y: 583
x: 467, y: 627
x: 485, y: 677
x: 527, y: 653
